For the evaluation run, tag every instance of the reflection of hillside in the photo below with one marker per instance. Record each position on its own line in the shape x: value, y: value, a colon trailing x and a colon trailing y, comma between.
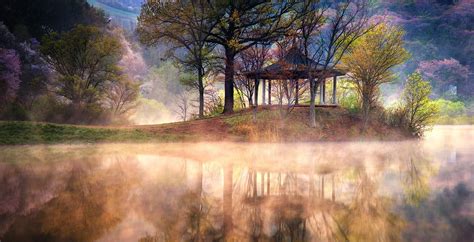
x: 86, y: 201
x: 226, y: 191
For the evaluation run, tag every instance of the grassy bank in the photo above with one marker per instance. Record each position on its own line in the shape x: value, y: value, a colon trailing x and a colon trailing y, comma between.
x: 46, y: 133
x: 334, y: 124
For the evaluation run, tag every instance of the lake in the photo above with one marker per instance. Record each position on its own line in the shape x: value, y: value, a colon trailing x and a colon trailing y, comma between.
x: 344, y: 191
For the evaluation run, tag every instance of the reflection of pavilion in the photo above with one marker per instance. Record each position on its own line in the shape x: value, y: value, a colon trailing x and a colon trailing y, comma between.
x: 265, y: 183
x: 293, y: 67
x: 284, y: 205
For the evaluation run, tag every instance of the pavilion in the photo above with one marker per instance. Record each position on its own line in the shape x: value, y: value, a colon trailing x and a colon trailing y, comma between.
x: 294, y: 68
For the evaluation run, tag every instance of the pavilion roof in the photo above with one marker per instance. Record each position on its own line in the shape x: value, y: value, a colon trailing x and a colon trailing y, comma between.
x: 291, y: 66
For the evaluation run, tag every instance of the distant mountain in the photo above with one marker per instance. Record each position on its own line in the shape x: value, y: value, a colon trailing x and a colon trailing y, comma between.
x: 126, y: 5
x: 120, y: 13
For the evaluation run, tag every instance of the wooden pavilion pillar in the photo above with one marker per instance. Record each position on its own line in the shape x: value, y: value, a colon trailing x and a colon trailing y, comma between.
x: 269, y: 92
x: 334, y: 88
x: 263, y: 91
x: 322, y: 92
x: 297, y: 92
x: 256, y: 93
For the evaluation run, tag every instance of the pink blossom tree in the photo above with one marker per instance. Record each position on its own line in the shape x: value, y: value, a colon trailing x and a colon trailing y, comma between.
x: 445, y: 73
x: 10, y: 69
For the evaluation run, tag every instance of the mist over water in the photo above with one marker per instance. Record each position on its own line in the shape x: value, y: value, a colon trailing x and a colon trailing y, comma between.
x: 356, y: 191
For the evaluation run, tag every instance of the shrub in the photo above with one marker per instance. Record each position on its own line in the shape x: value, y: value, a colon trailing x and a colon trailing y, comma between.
x: 347, y: 96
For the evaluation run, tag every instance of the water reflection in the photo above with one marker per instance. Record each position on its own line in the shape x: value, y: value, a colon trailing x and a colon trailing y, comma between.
x: 395, y: 191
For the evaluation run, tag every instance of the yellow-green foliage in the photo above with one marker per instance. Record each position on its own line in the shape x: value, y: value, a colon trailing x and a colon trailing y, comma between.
x: 452, y: 112
x: 420, y: 110
x: 369, y: 63
x: 347, y: 96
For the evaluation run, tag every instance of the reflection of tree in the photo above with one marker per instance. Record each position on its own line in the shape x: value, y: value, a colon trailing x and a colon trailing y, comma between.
x: 415, y: 172
x: 289, y: 220
x: 368, y: 217
x: 179, y: 212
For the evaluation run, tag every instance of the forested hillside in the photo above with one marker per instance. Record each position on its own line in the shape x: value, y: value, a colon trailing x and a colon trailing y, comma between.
x: 440, y: 38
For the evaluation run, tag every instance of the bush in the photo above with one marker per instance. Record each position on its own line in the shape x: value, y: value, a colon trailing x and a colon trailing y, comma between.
x: 347, y: 97
x: 396, y: 116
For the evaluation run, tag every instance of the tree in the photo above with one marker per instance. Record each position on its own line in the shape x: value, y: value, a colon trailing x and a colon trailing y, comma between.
x: 326, y: 32
x: 251, y: 59
x: 10, y: 66
x: 187, y: 25
x: 121, y: 97
x: 33, y: 73
x: 85, y: 61
x: 183, y: 106
x: 240, y: 25
x: 369, y: 63
x: 445, y: 73
x: 420, y: 111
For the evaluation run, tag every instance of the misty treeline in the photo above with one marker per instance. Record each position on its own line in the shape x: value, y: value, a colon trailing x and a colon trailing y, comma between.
x: 62, y: 63
x: 439, y: 36
x: 66, y: 62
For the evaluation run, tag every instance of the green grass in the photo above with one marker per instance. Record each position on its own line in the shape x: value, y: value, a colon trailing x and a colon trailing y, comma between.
x: 14, y: 132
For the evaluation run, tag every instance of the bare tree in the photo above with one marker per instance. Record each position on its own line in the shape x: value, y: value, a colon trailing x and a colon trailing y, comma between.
x: 251, y: 59
x: 326, y: 33
x: 121, y: 97
x: 183, y: 106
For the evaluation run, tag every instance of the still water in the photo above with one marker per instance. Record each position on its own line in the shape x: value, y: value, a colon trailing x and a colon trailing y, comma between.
x: 350, y: 191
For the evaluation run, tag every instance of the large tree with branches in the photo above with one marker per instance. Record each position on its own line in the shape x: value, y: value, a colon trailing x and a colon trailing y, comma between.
x: 243, y: 24
x: 326, y: 32
x: 369, y: 64
x: 248, y: 60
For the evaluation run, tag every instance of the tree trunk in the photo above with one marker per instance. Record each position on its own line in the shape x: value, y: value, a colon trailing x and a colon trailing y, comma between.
x: 365, y: 112
x: 201, y: 94
x: 229, y: 81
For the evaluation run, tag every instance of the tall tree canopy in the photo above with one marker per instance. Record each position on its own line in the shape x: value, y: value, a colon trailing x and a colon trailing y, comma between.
x: 325, y: 33
x: 243, y: 24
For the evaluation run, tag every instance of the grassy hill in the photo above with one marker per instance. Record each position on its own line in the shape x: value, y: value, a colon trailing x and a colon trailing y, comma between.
x: 334, y: 124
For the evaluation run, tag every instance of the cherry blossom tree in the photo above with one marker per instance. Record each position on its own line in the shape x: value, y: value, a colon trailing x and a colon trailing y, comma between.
x: 10, y: 69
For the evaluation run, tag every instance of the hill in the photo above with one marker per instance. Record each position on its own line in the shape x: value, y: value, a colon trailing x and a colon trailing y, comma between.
x: 334, y: 124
